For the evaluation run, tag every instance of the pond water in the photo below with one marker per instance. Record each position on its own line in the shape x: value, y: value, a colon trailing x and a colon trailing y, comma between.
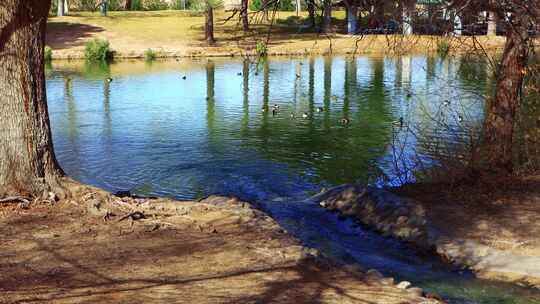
x: 190, y: 128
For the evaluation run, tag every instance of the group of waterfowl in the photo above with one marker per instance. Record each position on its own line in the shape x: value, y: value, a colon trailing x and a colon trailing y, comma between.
x: 304, y: 115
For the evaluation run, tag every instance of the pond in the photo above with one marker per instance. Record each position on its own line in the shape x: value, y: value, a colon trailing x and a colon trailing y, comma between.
x: 275, y: 132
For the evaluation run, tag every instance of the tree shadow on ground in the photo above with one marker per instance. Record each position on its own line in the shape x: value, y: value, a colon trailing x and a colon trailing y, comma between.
x: 76, y: 280
x: 63, y: 35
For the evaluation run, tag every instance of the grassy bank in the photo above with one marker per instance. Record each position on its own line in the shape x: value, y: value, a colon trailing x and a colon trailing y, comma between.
x: 180, y: 34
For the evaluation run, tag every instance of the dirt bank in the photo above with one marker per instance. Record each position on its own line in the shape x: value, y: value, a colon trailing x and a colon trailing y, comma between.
x: 87, y: 249
x: 175, y: 34
x: 493, y: 230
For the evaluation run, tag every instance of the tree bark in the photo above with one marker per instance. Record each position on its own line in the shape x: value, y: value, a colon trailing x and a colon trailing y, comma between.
x: 501, y: 111
x: 311, y: 13
x: 209, y: 24
x: 244, y: 15
x: 492, y: 24
x: 327, y: 16
x: 66, y: 7
x: 60, y: 11
x: 27, y: 162
x: 408, y: 12
x: 352, y: 18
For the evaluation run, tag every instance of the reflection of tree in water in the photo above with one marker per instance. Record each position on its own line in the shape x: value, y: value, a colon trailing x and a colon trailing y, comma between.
x: 211, y: 103
x: 73, y: 121
x: 245, y: 96
x: 321, y: 145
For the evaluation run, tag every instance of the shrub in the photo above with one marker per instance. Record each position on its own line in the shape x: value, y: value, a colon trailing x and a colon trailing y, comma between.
x: 150, y: 55
x: 179, y: 4
x: 283, y: 5
x: 47, y: 54
x: 97, y: 50
x: 136, y: 5
x: 443, y: 48
x: 155, y: 5
x: 261, y: 49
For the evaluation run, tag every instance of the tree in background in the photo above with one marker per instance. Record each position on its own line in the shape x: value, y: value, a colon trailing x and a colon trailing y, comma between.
x: 60, y: 8
x: 327, y: 16
x: 244, y: 15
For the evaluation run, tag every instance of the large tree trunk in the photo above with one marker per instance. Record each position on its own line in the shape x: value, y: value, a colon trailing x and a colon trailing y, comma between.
x: 60, y: 11
x: 501, y: 112
x: 209, y: 24
x: 327, y: 16
x: 27, y: 162
x: 244, y: 15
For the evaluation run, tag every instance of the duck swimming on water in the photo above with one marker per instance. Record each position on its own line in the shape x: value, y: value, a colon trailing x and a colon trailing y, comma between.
x: 320, y: 109
x: 345, y: 121
x: 109, y: 79
x: 305, y: 115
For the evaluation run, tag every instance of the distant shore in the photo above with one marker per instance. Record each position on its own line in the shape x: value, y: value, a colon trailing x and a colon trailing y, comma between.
x: 170, y: 34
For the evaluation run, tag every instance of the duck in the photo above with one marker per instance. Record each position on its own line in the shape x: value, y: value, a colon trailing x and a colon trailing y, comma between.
x: 239, y: 73
x: 320, y: 109
x: 305, y: 115
x: 297, y: 75
x: 109, y: 79
x: 446, y: 102
x: 345, y: 121
x: 460, y: 118
x: 276, y: 107
x: 184, y: 77
x: 399, y: 122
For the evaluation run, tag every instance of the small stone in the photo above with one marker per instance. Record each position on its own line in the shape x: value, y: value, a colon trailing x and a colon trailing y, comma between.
x: 401, y: 220
x: 374, y: 274
x: 387, y: 281
x: 416, y: 291
x: 404, y: 285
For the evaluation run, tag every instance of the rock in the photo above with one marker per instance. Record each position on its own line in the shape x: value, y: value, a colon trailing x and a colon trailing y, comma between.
x: 416, y: 291
x: 323, y: 204
x: 404, y: 285
x: 387, y: 281
x: 374, y: 275
x: 402, y: 220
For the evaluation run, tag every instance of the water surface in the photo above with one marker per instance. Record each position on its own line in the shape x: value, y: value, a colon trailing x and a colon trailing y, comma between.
x: 153, y: 132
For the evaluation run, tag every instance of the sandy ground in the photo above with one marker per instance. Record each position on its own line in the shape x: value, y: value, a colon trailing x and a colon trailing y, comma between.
x: 219, y: 250
x: 171, y: 34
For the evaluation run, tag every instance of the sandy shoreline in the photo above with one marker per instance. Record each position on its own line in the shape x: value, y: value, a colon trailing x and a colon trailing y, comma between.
x: 218, y: 250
